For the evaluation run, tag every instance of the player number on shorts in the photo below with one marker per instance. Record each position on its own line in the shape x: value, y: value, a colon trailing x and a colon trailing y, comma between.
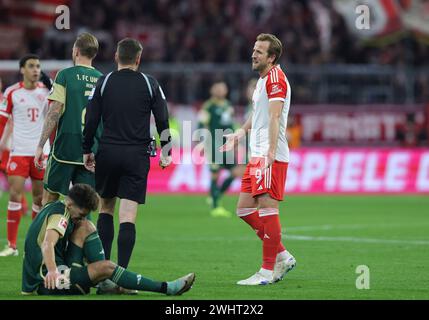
x: 258, y: 175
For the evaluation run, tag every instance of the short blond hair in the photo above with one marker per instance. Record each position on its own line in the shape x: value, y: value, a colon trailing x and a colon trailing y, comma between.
x: 87, y: 45
x: 275, y: 48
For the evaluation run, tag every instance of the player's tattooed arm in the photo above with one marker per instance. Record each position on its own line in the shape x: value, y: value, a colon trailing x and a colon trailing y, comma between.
x: 51, y: 121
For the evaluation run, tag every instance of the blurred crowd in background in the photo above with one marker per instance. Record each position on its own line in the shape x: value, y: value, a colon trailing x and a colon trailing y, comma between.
x: 327, y: 60
x: 312, y: 32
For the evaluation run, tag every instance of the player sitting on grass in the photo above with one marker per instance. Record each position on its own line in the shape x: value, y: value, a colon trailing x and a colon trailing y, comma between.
x: 61, y: 238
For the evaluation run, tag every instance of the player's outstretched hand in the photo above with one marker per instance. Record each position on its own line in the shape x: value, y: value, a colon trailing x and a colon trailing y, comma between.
x: 39, y: 158
x: 51, y: 278
x: 231, y: 140
x: 164, y: 161
x: 89, y: 162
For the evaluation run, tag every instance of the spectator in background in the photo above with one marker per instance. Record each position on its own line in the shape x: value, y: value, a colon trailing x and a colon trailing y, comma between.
x: 293, y: 132
x: 413, y: 132
x: 427, y: 123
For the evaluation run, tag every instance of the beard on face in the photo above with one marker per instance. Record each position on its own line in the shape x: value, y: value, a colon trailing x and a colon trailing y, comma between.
x: 259, y: 67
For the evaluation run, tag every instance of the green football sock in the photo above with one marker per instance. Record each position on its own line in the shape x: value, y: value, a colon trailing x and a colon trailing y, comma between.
x: 74, y: 255
x: 225, y: 185
x: 93, y: 248
x: 214, y: 192
x: 130, y: 280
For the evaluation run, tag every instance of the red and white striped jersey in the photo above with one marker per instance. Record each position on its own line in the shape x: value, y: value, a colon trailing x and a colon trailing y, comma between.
x: 28, y: 109
x: 273, y: 87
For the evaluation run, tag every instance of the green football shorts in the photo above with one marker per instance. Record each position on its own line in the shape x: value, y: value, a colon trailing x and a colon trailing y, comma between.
x: 59, y: 175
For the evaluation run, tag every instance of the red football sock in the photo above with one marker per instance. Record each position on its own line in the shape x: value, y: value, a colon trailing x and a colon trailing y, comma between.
x: 13, y: 219
x: 272, y: 236
x: 251, y: 217
x: 35, y: 210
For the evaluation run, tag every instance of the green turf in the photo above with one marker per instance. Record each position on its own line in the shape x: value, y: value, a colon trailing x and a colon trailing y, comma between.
x: 330, y: 236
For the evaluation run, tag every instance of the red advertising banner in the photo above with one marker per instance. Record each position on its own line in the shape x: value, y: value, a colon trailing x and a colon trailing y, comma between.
x: 311, y: 170
x: 364, y: 125
x: 315, y: 170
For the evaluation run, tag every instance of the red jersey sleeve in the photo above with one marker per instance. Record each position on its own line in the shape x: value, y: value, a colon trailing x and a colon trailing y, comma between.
x: 7, y: 104
x: 276, y: 85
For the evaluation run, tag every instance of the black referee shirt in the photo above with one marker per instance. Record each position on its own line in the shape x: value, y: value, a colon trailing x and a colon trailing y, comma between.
x: 124, y: 100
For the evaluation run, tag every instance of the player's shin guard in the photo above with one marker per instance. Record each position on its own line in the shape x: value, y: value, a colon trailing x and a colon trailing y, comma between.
x: 126, y: 241
x: 272, y: 236
x: 93, y: 249
x: 130, y: 280
x: 251, y: 217
x: 74, y: 255
x: 226, y: 183
x: 13, y: 219
x: 214, y: 192
x: 106, y: 232
x: 35, y: 210
x: 24, y: 205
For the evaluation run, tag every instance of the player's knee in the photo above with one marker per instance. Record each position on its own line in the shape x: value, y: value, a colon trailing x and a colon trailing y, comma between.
x: 215, y: 175
x: 107, y: 206
x: 266, y: 201
x: 49, y: 197
x: 107, y: 268
x: 15, y: 195
x: 85, y: 228
x: 37, y: 200
x: 82, y: 230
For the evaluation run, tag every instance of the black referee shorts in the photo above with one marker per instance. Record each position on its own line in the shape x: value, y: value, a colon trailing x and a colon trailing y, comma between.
x: 121, y: 171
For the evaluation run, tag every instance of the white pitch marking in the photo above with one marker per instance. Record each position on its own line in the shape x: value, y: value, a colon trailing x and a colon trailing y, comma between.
x: 357, y: 240
x: 348, y: 227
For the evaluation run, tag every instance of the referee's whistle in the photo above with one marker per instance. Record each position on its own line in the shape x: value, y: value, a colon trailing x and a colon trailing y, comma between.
x: 152, y: 147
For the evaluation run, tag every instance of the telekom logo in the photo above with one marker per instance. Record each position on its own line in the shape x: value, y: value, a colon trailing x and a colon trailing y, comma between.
x: 33, y: 114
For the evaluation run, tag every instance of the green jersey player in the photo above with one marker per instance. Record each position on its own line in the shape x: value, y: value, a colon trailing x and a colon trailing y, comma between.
x: 216, y: 116
x: 64, y: 256
x: 68, y: 100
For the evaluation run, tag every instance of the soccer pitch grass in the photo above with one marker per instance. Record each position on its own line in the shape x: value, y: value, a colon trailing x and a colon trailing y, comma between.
x: 329, y: 235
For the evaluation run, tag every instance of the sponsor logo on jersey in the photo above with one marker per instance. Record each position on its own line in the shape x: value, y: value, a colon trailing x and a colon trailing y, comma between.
x: 13, y: 165
x: 91, y: 95
x: 63, y: 223
x: 276, y: 89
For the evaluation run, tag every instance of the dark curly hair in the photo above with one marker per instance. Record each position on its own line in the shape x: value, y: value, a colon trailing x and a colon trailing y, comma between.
x: 84, y: 196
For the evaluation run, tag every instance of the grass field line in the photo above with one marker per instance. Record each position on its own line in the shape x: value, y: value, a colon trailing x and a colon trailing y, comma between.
x: 326, y: 227
x: 357, y: 240
x: 349, y: 227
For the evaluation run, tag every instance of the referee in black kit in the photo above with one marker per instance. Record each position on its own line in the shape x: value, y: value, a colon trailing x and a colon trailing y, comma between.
x: 124, y: 100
